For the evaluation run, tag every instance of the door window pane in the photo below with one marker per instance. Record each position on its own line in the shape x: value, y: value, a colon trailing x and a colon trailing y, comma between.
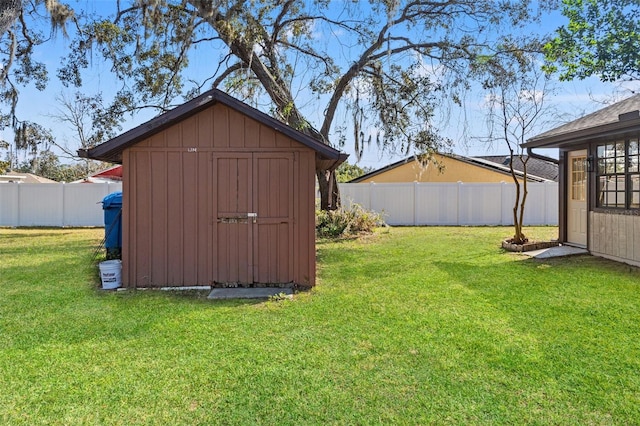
x: 578, y: 179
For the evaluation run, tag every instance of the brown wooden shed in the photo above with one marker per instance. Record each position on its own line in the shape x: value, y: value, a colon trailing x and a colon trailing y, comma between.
x: 217, y: 193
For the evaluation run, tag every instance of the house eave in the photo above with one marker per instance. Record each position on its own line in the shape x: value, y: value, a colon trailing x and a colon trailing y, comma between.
x: 569, y: 139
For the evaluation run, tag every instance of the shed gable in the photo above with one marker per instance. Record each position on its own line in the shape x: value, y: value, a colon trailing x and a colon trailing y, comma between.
x: 219, y: 127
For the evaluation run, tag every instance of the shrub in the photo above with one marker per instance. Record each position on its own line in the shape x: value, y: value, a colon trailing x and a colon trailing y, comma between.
x: 350, y: 221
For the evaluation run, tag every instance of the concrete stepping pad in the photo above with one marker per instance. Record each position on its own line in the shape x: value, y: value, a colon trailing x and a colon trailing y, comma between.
x: 248, y: 293
x: 559, y: 251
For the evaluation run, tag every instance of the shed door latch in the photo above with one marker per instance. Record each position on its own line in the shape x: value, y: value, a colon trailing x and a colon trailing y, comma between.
x: 253, y: 216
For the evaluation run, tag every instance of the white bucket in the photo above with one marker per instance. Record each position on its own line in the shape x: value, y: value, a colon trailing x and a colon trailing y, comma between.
x: 111, y: 274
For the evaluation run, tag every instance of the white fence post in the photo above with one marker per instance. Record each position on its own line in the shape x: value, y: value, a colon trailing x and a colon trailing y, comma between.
x: 546, y: 196
x: 503, y: 194
x: 458, y: 184
x: 17, y: 204
x: 9, y: 201
x: 64, y: 185
x: 551, y: 198
x: 415, y: 203
x: 372, y: 194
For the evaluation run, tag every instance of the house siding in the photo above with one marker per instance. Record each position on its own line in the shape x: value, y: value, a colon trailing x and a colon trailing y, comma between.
x: 615, y: 236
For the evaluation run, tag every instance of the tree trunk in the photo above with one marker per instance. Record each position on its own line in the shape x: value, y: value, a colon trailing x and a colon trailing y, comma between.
x: 329, y: 191
x: 525, y: 192
x: 518, y: 210
x: 518, y: 206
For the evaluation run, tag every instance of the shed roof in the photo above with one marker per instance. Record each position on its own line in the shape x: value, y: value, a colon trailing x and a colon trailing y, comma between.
x: 111, y: 150
x: 613, y: 120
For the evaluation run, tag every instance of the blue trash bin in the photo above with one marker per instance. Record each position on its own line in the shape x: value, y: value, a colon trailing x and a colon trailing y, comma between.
x: 112, y: 206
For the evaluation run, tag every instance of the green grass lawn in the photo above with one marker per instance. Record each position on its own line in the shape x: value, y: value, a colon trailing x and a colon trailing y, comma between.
x: 410, y: 326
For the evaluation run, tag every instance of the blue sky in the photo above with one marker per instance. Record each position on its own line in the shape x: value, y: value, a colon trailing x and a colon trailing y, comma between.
x: 571, y: 100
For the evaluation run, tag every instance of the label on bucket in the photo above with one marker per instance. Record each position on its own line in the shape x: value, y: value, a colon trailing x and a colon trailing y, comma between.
x: 109, y: 278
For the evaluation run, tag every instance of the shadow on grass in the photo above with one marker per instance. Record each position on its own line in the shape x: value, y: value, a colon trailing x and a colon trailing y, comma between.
x: 41, y: 245
x: 531, y: 269
x: 20, y: 235
x: 187, y: 296
x: 579, y: 301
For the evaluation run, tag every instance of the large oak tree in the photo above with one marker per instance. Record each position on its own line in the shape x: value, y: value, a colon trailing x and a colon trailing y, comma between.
x: 370, y: 71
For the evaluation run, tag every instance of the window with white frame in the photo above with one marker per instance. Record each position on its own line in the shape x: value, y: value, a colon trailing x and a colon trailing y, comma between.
x: 618, y: 175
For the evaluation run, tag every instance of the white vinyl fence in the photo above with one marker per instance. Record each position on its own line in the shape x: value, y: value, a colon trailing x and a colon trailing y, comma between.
x: 453, y: 203
x: 49, y: 204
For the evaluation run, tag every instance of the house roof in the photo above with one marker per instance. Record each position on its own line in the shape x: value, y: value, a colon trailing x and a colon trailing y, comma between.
x: 24, y: 178
x: 494, y: 163
x: 614, y: 120
x: 112, y: 174
x: 535, y: 166
x: 111, y: 150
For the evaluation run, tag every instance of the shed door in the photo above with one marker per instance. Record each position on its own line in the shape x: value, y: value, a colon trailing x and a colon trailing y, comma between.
x: 577, y: 198
x: 254, y: 218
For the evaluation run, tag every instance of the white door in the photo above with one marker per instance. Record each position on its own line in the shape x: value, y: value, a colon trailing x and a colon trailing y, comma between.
x: 577, y: 198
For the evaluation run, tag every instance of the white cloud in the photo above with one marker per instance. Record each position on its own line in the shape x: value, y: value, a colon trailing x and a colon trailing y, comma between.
x: 532, y: 95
